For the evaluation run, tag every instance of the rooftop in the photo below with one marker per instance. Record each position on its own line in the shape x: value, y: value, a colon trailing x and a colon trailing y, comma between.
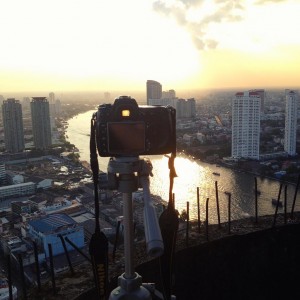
x: 52, y: 222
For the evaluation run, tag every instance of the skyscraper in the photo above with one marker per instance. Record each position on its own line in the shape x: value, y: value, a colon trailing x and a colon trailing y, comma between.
x: 13, y: 125
x: 170, y: 94
x: 290, y: 122
x: 51, y: 98
x: 154, y: 90
x: 41, y: 128
x: 52, y: 104
x: 186, y: 108
x: 246, y: 125
x: 262, y: 95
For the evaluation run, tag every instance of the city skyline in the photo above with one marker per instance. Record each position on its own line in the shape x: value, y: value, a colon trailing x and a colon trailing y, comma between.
x: 116, y: 45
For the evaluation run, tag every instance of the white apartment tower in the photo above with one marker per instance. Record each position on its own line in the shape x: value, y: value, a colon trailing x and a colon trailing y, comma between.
x: 262, y: 94
x: 170, y: 94
x: 154, y: 90
x: 186, y: 108
x: 13, y: 125
x: 290, y: 122
x: 246, y: 125
x: 40, y: 116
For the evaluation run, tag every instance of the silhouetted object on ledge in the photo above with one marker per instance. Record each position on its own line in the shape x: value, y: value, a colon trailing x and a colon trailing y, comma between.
x: 217, y: 204
x: 277, y: 204
x: 206, y: 221
x: 37, y: 265
x: 198, y: 211
x: 24, y: 289
x: 295, y: 197
x: 52, y: 269
x: 256, y: 204
x: 67, y: 253
x: 187, y: 223
x: 229, y: 213
x: 98, y: 247
x: 78, y: 249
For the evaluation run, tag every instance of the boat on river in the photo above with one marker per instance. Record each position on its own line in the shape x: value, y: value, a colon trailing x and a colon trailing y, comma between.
x: 216, y: 173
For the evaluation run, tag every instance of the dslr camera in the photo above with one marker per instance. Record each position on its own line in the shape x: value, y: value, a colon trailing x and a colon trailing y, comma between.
x: 124, y: 129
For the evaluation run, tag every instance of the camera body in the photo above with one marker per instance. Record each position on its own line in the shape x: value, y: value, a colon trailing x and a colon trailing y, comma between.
x: 125, y: 129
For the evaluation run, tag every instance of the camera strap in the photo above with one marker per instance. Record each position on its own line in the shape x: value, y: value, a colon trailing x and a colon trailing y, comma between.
x: 169, y: 223
x: 98, y: 247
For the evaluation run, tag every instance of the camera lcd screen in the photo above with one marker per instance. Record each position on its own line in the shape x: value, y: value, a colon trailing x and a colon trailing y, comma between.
x: 126, y: 138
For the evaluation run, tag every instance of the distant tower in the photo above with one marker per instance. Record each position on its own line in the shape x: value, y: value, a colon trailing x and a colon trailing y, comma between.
x: 290, y: 122
x: 40, y: 122
x: 170, y: 94
x: 246, y: 125
x: 52, y: 104
x: 26, y: 103
x: 185, y: 108
x: 13, y: 125
x: 57, y: 108
x: 154, y: 90
x: 51, y: 98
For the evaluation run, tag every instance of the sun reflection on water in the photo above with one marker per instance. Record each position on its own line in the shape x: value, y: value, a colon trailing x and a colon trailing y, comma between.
x: 192, y: 174
x: 185, y: 185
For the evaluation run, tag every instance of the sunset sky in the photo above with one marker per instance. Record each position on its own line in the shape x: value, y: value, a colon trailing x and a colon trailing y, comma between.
x: 82, y: 45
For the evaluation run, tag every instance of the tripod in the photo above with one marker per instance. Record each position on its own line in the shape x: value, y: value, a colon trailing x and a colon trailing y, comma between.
x: 125, y: 174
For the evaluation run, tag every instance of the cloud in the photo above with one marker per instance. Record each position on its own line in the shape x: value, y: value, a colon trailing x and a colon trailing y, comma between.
x: 224, y: 11
x: 260, y: 2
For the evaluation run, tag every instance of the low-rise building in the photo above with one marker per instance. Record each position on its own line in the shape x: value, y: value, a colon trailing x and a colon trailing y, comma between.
x: 11, y: 244
x: 21, y: 207
x: 46, y: 231
x: 17, y: 190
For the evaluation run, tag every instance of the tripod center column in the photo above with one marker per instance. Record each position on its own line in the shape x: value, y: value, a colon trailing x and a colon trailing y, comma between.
x: 128, y: 225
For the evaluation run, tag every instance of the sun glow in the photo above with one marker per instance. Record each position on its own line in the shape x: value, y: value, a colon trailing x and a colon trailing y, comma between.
x: 89, y: 45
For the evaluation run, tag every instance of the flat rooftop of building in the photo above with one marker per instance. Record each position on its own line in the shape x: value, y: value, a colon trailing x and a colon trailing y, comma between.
x: 52, y: 222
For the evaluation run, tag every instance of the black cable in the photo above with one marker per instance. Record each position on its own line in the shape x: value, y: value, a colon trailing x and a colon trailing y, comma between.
x: 169, y: 223
x: 98, y: 247
x: 95, y: 171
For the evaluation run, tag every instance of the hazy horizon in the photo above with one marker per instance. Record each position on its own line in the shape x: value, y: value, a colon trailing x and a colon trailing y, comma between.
x: 140, y: 96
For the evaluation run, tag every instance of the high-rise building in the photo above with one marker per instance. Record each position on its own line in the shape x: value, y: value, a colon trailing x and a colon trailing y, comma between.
x: 170, y: 94
x: 41, y: 128
x: 290, y: 122
x: 154, y: 90
x: 51, y: 98
x: 26, y: 103
x: 245, y: 125
x: 186, y: 108
x: 262, y: 95
x: 52, y: 104
x: 57, y: 108
x: 13, y: 125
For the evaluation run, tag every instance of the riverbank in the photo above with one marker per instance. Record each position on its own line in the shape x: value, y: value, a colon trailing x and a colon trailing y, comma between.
x: 285, y: 169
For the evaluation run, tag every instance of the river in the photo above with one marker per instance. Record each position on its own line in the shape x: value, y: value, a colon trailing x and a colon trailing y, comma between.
x: 193, y: 174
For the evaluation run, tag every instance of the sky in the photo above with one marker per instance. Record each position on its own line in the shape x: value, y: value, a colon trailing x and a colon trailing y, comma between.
x: 97, y: 45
